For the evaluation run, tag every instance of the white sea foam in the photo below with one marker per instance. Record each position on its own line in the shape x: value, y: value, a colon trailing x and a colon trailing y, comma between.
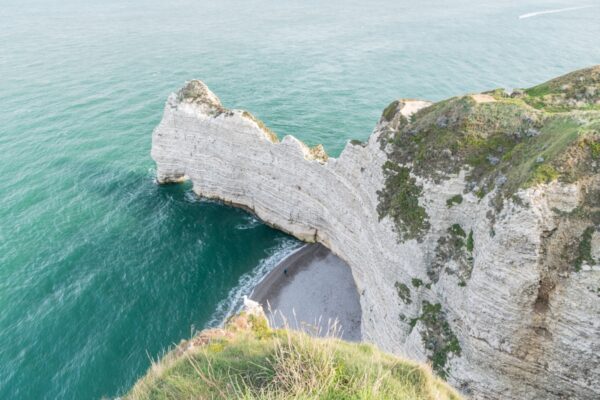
x: 232, y: 303
x: 250, y: 223
x: 559, y: 10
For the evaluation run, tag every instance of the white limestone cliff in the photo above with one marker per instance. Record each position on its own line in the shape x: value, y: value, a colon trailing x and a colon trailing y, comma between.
x: 520, y: 337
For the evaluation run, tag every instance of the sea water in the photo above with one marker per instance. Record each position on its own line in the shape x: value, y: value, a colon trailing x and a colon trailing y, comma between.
x: 101, y: 270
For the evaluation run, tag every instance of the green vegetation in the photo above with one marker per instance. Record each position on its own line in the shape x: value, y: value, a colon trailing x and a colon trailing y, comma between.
x: 457, y: 230
x: 470, y: 242
x: 400, y: 201
x: 455, y: 246
x: 594, y: 146
x: 505, y: 145
x: 238, y: 363
x: 584, y: 251
x: 437, y: 337
x: 403, y: 292
x: 505, y: 142
x: 577, y: 90
x: 577, y: 228
x: 416, y: 282
x: 457, y: 199
x: 543, y: 174
x: 390, y: 110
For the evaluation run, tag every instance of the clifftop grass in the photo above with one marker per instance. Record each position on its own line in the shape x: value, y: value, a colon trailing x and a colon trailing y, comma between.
x: 248, y: 360
x: 507, y: 142
x: 577, y: 90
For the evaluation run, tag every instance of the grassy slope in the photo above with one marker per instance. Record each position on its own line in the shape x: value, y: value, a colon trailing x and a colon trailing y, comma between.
x: 534, y: 136
x: 247, y: 360
x: 577, y: 90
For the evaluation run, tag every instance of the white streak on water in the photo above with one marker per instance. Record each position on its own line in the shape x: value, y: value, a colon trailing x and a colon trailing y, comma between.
x: 232, y: 303
x: 251, y: 222
x: 559, y: 10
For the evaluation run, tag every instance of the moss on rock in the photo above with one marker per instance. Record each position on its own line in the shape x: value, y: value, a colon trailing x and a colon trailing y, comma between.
x: 400, y: 201
x: 390, y: 111
x: 456, y: 199
x: 438, y: 338
x: 584, y: 250
x: 453, y: 255
x: 416, y: 282
x: 403, y: 292
x: 470, y: 242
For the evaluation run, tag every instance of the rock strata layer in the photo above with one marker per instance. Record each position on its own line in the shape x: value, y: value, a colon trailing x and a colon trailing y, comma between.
x: 478, y: 290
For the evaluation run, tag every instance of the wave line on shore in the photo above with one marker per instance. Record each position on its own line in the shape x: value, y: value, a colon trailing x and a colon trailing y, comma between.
x: 559, y: 10
x: 232, y: 303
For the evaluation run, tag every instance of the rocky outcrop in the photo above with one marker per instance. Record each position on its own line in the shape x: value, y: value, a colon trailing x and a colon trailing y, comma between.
x: 478, y: 258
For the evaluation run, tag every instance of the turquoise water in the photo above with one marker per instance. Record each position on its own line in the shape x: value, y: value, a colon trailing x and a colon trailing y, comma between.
x: 100, y: 269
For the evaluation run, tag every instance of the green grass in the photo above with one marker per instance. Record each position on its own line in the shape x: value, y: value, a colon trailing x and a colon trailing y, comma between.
x: 577, y: 90
x: 539, y: 91
x: 594, y: 146
x: 504, y: 146
x: 236, y: 363
x: 557, y: 134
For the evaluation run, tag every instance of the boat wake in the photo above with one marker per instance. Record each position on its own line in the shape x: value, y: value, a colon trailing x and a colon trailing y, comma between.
x: 233, y: 302
x: 559, y: 10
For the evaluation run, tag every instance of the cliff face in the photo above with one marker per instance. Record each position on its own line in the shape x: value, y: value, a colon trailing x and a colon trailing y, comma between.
x: 471, y: 225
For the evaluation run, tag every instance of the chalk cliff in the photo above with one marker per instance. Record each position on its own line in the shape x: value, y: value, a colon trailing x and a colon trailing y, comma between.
x: 472, y: 225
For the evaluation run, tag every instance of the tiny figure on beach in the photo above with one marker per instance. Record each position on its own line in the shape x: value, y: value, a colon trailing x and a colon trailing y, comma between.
x: 285, y: 271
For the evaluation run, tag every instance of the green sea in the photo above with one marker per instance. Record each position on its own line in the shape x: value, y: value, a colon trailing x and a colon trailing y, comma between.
x: 101, y: 270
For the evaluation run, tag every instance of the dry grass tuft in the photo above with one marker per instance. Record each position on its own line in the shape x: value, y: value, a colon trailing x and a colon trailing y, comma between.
x: 259, y: 363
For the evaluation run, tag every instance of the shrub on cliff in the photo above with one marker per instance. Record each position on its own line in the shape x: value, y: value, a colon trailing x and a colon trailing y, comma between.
x: 503, y: 142
x: 248, y: 360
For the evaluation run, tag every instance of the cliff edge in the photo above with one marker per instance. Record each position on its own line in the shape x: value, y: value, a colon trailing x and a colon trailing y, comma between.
x: 472, y: 225
x: 246, y: 359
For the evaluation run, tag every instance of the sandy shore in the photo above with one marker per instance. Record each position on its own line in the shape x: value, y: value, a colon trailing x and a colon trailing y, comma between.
x: 310, y: 288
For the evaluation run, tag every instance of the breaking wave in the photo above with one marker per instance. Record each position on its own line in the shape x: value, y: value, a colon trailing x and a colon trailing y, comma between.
x: 233, y: 302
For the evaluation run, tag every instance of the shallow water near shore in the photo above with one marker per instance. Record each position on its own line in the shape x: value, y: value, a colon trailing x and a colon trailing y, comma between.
x: 100, y: 268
